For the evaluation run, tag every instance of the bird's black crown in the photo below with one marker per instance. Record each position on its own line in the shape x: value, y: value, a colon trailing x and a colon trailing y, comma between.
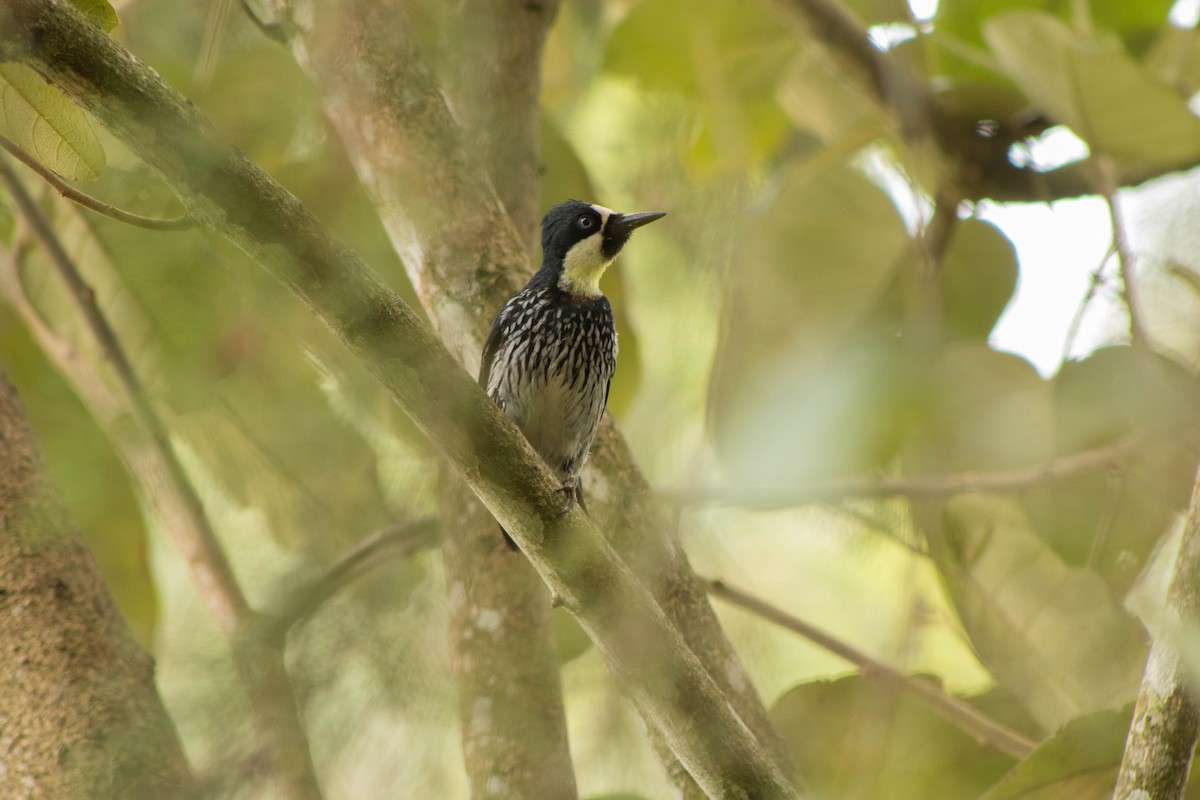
x: 567, y: 224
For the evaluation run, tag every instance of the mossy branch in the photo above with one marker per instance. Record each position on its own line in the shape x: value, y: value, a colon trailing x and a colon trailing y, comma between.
x: 232, y: 197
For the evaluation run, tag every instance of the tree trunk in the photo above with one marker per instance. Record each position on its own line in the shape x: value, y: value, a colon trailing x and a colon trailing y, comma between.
x: 464, y: 255
x: 79, y: 713
x: 702, y: 723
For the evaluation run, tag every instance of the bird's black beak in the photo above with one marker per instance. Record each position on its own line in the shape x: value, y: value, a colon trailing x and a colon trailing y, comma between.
x: 621, y: 225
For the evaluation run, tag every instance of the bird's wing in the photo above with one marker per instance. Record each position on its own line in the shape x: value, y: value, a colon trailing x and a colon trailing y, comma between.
x: 495, y: 339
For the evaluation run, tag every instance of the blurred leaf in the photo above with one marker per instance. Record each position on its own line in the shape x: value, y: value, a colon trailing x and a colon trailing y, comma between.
x: 46, y: 124
x: 99, y: 12
x: 569, y: 638
x: 964, y: 19
x: 829, y: 108
x: 983, y: 410
x: 978, y: 276
x: 1133, y: 22
x: 858, y: 738
x: 1111, y: 520
x: 1079, y: 762
x: 878, y: 12
x: 1052, y: 634
x: 565, y: 176
x: 727, y: 56
x: 1095, y: 87
x: 792, y: 394
x: 1174, y: 59
x: 739, y: 40
x: 811, y: 265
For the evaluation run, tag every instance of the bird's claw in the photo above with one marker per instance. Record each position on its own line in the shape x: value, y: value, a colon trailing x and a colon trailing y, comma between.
x: 570, y: 494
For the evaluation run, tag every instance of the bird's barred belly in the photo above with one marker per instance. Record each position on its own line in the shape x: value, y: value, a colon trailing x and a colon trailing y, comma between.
x: 554, y: 384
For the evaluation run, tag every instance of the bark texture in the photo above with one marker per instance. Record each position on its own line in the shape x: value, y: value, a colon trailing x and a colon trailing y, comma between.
x: 1166, y: 719
x: 514, y: 726
x: 226, y: 193
x: 464, y: 255
x: 80, y: 716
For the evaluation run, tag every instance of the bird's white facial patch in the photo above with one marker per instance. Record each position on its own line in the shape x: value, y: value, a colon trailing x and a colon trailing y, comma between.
x: 585, y: 262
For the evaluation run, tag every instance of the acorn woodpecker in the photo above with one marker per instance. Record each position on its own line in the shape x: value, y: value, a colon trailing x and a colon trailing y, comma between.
x: 552, y: 350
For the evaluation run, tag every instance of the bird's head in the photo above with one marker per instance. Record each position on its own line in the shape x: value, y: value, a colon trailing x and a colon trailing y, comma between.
x: 580, y: 240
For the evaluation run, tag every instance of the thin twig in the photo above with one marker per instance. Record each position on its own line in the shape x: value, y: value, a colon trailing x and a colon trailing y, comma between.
x: 953, y: 709
x: 1125, y: 256
x: 89, y: 202
x: 399, y: 540
x: 1094, y: 283
x: 873, y: 486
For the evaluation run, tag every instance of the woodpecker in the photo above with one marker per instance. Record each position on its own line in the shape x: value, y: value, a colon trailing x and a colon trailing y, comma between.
x: 552, y: 350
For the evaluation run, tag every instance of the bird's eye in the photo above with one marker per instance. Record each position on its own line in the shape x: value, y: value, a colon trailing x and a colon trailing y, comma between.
x: 585, y: 223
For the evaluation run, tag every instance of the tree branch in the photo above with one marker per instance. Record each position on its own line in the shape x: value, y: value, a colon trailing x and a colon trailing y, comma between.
x: 1014, y: 480
x: 957, y: 712
x: 232, y: 197
x: 464, y: 255
x: 395, y: 541
x: 184, y: 518
x: 490, y: 60
x: 199, y: 544
x: 978, y: 166
x: 1166, y: 720
x: 89, y: 202
x: 1125, y: 257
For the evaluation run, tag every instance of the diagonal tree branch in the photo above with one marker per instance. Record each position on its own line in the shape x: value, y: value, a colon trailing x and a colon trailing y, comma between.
x: 1014, y: 480
x: 399, y: 540
x: 954, y: 710
x: 232, y: 197
x: 491, y: 65
x: 977, y: 166
x: 464, y: 254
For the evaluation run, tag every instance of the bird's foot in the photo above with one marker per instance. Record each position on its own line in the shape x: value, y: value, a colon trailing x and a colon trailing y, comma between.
x: 569, y: 497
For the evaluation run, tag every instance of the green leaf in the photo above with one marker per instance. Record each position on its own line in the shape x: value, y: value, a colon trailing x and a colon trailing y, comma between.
x: 978, y: 276
x: 1078, y: 763
x: 729, y: 57
x: 1051, y: 634
x: 964, y: 19
x: 1111, y: 521
x: 99, y: 12
x: 793, y: 394
x: 859, y: 738
x: 570, y: 640
x: 983, y: 410
x: 46, y: 124
x: 878, y: 12
x: 829, y: 108
x: 1092, y: 85
x: 1134, y: 22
